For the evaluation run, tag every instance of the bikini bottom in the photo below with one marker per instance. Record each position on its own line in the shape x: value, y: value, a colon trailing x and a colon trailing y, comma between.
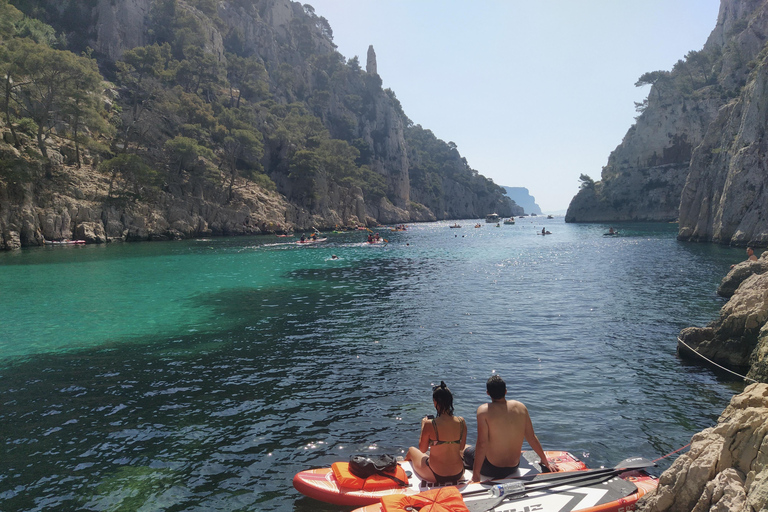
x: 440, y: 479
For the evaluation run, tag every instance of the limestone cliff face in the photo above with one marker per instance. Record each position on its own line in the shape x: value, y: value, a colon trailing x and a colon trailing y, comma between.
x: 646, y: 173
x: 725, y: 196
x: 684, y: 139
x: 120, y: 26
x: 726, y: 468
x: 75, y: 208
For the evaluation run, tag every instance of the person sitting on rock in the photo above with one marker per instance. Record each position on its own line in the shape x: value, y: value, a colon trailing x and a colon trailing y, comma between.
x: 750, y: 255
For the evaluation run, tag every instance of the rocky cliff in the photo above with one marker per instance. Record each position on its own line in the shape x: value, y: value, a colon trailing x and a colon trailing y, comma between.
x: 726, y: 468
x: 328, y: 143
x: 77, y: 208
x: 725, y: 195
x: 694, y: 152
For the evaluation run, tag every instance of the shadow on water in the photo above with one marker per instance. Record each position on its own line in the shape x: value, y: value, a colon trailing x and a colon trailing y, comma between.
x: 195, y: 420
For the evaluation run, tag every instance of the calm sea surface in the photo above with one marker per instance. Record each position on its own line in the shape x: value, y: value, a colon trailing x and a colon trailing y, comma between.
x: 202, y: 375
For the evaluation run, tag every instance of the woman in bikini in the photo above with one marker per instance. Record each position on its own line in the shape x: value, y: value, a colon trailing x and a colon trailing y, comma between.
x: 444, y: 437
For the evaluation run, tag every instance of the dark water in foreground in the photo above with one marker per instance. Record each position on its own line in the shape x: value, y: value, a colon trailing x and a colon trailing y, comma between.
x: 202, y: 375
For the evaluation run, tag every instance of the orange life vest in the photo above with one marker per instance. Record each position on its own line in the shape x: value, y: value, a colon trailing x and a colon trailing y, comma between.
x: 445, y: 499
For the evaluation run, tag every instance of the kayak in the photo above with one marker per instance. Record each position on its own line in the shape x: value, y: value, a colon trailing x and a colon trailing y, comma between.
x: 310, y: 241
x: 596, y: 490
x: 328, y: 485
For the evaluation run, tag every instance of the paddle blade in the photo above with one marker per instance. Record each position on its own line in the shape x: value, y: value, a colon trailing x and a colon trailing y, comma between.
x: 635, y: 463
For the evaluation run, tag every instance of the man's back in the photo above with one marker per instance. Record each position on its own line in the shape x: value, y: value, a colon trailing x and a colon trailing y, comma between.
x: 502, y: 426
x: 506, y: 421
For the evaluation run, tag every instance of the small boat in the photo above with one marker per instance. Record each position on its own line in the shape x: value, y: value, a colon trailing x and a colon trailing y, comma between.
x: 65, y: 242
x: 550, y: 217
x: 533, y: 215
x: 510, y: 220
x: 311, y: 241
x: 492, y: 217
x: 334, y: 485
x: 455, y: 226
x: 478, y: 226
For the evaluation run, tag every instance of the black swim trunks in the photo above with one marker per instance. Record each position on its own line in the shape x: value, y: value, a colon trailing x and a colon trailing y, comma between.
x: 488, y: 469
x: 496, y: 472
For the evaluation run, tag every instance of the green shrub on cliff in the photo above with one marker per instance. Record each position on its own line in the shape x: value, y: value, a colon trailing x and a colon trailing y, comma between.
x: 56, y: 89
x: 130, y: 173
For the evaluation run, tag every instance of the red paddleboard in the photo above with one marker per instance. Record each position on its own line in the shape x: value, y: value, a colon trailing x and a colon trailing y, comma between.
x: 322, y: 485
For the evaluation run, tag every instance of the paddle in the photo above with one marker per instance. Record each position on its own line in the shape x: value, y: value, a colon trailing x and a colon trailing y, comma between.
x: 549, y: 481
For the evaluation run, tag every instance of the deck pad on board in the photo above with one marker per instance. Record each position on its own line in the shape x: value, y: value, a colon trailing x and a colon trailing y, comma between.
x: 563, y: 498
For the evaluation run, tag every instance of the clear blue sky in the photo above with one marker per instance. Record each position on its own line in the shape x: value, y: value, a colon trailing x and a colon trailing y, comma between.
x: 533, y: 93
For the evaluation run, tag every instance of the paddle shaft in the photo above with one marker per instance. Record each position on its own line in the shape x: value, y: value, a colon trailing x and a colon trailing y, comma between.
x: 573, y: 477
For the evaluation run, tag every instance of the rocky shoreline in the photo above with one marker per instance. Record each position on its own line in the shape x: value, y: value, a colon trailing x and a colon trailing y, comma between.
x: 738, y: 339
x: 726, y: 468
x: 78, y: 207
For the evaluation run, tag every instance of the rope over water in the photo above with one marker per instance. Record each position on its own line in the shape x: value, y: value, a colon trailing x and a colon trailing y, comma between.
x: 671, y: 453
x: 712, y: 362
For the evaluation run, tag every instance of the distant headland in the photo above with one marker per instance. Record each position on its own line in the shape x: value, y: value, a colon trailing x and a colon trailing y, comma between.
x: 523, y: 198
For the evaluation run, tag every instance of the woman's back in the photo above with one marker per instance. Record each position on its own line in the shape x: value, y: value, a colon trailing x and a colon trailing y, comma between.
x: 446, y: 442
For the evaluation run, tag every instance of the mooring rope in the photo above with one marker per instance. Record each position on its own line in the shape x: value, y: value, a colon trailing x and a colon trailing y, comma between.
x: 712, y: 362
x: 671, y: 453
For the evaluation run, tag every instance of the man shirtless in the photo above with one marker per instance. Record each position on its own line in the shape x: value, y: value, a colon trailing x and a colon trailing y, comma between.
x: 750, y: 255
x: 502, y: 425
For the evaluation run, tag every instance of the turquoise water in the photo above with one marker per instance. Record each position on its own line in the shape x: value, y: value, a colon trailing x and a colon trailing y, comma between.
x: 203, y: 374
